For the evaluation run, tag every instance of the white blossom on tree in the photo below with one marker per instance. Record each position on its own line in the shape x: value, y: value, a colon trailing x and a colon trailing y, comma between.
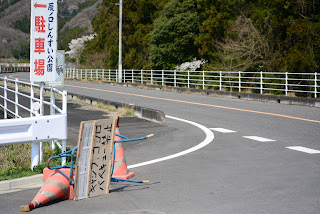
x: 191, y: 66
x: 77, y: 46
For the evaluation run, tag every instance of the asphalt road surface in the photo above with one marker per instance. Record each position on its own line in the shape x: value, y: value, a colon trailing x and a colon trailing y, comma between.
x: 232, y: 156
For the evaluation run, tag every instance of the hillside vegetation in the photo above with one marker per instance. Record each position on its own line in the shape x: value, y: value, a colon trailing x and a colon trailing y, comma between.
x: 74, y: 20
x: 278, y: 35
x: 241, y: 35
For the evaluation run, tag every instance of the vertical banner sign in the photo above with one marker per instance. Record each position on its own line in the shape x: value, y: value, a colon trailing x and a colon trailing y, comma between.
x: 43, y: 44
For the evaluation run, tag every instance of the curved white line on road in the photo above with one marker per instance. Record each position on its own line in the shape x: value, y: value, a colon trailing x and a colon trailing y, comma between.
x: 209, y: 139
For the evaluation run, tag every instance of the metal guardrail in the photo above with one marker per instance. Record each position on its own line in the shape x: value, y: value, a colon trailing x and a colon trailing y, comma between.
x: 307, y: 84
x: 14, y: 67
x: 12, y: 106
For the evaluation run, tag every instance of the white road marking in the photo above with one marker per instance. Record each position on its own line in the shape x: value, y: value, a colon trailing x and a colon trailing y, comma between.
x: 304, y: 149
x: 222, y: 130
x: 261, y: 139
x: 209, y: 138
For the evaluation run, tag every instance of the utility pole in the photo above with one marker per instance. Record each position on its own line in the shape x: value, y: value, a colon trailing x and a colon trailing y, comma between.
x: 120, y: 43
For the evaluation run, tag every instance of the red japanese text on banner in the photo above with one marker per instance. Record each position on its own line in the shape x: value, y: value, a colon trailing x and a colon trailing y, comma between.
x: 43, y: 40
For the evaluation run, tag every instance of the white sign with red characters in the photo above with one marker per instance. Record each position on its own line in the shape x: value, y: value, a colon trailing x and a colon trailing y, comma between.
x: 43, y: 44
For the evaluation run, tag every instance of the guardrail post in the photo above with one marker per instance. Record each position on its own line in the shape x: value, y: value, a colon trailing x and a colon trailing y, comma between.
x: 116, y: 75
x: 151, y: 77
x: 315, y: 85
x: 5, y: 97
x: 124, y: 75
x: 64, y: 101
x: 162, y: 75
x: 102, y: 74
x: 41, y: 98
x: 109, y: 74
x: 97, y: 74
x: 16, y: 99
x: 175, y: 78
x: 220, y: 81
x: 31, y: 98
x: 188, y: 79
x: 141, y: 76
x: 132, y: 76
x: 64, y: 110
x: 52, y: 111
x: 35, y: 147
x: 239, y: 81
x: 91, y: 74
x: 261, y: 82
x: 203, y: 83
x: 286, y: 83
x: 41, y: 114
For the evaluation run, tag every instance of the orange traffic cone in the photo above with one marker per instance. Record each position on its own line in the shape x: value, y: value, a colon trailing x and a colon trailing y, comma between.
x: 47, y: 172
x: 120, y: 166
x: 55, y: 187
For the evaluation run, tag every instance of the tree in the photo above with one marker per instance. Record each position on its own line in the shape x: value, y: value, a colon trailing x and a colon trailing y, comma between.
x: 244, y: 48
x: 77, y: 46
x: 280, y: 35
x: 292, y: 28
x: 138, y: 18
x: 22, y: 24
x: 172, y: 40
x: 191, y: 66
x: 216, y: 16
x: 23, y: 53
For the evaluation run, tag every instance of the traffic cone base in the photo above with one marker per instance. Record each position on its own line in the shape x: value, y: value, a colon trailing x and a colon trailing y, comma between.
x: 126, y: 176
x: 27, y: 207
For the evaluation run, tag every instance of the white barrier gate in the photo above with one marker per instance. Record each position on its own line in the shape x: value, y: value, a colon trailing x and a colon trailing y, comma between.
x: 38, y: 127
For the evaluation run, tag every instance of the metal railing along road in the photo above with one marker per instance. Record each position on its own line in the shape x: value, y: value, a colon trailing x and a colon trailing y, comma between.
x: 14, y: 67
x: 18, y: 99
x: 301, y: 84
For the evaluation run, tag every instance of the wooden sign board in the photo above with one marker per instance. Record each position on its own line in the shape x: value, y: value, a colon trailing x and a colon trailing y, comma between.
x: 94, y: 158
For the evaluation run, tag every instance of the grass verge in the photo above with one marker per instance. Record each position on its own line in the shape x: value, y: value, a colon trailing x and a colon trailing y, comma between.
x: 15, y: 160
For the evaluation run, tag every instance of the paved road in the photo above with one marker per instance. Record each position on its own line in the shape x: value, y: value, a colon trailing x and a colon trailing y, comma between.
x: 249, y: 170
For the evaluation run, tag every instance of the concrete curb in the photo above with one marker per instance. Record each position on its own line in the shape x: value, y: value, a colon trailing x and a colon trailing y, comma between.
x: 142, y: 112
x: 16, y: 183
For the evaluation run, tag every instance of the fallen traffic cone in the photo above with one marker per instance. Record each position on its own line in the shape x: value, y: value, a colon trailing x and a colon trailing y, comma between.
x: 120, y: 166
x: 48, y: 172
x: 55, y: 187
